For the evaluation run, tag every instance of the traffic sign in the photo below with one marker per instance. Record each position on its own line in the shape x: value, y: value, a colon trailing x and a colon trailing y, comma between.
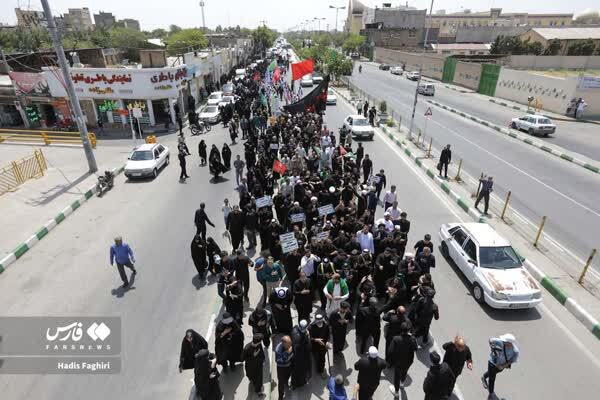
x: 428, y: 113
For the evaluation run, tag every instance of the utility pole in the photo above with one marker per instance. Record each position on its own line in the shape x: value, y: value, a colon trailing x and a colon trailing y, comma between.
x: 336, y: 14
x: 75, y: 106
x: 203, y: 20
x: 412, y: 117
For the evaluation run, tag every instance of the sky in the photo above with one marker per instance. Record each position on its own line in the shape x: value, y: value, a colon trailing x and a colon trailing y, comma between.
x: 278, y: 14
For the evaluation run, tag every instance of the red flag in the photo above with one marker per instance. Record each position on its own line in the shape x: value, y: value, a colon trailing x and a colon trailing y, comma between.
x: 279, y: 167
x: 302, y: 68
x: 276, y: 75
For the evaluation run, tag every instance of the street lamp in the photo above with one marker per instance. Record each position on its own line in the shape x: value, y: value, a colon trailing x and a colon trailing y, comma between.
x: 319, y: 22
x: 336, y: 14
x: 203, y: 21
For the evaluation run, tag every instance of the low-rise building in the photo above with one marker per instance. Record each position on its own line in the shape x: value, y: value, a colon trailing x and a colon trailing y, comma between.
x: 78, y: 19
x: 104, y: 20
x: 566, y: 36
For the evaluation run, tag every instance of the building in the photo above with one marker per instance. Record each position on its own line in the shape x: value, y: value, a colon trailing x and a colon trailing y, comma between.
x: 354, y: 20
x: 495, y: 17
x: 104, y: 20
x: 129, y: 24
x: 566, y: 36
x: 481, y: 34
x: 400, y: 17
x: 29, y: 18
x: 78, y: 19
x: 392, y: 38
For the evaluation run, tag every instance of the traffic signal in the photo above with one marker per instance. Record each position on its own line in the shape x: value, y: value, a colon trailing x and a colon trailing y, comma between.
x: 32, y: 113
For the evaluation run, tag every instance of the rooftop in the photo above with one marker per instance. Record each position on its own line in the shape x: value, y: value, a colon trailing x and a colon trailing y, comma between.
x: 569, y: 33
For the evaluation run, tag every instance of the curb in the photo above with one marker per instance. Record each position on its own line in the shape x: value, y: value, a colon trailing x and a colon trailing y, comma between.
x: 591, y: 323
x: 459, y: 90
x: 526, y: 139
x: 503, y: 103
x: 48, y: 226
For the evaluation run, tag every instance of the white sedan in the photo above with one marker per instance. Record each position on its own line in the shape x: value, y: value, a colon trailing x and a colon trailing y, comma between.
x: 215, y: 98
x: 306, y: 81
x: 493, y: 268
x: 534, y: 124
x: 331, y: 97
x: 396, y: 70
x: 226, y: 100
x: 146, y: 160
x: 210, y: 114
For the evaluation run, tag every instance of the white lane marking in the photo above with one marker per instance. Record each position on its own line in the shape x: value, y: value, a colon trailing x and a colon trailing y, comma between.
x: 519, y: 170
x: 571, y: 335
x: 541, y: 306
x: 211, y: 327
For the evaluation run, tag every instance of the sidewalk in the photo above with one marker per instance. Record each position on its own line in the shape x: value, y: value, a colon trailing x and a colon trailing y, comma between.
x: 32, y: 204
x: 551, y: 271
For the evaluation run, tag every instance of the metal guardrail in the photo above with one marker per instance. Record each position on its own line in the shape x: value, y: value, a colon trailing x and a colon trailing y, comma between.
x: 20, y: 171
x: 46, y: 138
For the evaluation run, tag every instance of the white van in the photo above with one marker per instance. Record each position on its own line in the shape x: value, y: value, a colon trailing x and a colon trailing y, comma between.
x: 426, y: 89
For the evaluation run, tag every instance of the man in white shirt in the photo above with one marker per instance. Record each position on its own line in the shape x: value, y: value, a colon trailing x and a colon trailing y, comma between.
x: 394, y: 212
x: 307, y: 264
x: 365, y: 238
x: 389, y: 198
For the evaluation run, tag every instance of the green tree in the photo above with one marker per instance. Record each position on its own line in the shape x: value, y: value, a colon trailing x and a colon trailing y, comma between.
x: 264, y: 37
x: 553, y: 48
x: 128, y: 39
x: 174, y: 29
x: 159, y: 33
x: 353, y: 42
x: 185, y: 39
x: 582, y: 48
x: 219, y: 29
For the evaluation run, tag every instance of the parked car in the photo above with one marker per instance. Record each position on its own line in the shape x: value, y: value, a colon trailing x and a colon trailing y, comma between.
x: 396, y: 70
x: 534, y: 124
x: 331, y: 97
x: 355, y: 55
x: 146, y: 160
x: 210, y: 114
x: 226, y: 100
x: 413, y: 75
x: 359, y: 127
x: 426, y: 89
x: 490, y: 264
x: 306, y: 80
x: 215, y: 98
x: 228, y: 89
x: 317, y: 78
x: 384, y: 67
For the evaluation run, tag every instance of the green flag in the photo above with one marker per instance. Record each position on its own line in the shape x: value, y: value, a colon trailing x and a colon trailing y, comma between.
x: 273, y: 65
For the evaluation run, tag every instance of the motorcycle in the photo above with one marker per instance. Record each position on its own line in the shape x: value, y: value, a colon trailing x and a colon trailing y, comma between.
x: 105, y: 183
x: 200, y: 127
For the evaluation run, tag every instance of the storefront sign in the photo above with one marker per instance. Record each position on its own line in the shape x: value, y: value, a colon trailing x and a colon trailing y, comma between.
x: 181, y: 73
x: 31, y: 84
x: 108, y: 105
x: 119, y: 83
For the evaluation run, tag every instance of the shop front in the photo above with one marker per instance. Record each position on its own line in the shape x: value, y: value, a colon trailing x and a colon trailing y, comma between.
x: 116, y: 95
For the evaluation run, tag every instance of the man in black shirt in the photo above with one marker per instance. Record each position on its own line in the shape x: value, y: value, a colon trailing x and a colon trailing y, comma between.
x: 200, y: 219
x: 426, y: 242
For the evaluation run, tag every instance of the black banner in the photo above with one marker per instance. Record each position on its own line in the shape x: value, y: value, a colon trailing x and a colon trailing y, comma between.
x: 315, y: 101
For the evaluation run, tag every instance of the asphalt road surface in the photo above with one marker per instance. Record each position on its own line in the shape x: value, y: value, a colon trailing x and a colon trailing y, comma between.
x: 67, y: 274
x: 541, y: 184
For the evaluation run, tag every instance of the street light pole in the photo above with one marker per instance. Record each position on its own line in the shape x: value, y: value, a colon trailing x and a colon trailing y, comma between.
x: 412, y: 117
x: 203, y: 20
x: 75, y: 106
x: 336, y: 15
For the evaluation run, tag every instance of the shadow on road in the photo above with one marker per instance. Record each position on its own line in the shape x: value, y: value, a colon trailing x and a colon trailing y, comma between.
x: 120, y: 291
x: 52, y: 193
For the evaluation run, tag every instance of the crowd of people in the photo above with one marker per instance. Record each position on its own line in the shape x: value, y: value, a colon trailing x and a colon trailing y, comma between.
x: 335, y: 253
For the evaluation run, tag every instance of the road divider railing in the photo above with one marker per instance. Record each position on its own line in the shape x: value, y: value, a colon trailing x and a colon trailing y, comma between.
x: 582, y: 161
x: 20, y: 171
x: 45, y: 138
x: 505, y: 205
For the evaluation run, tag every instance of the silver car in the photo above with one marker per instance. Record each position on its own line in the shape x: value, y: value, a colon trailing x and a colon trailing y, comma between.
x: 534, y: 124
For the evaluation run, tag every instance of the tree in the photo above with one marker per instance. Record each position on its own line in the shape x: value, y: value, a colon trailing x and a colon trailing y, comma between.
x: 185, y: 39
x: 582, y: 48
x: 553, y: 48
x: 128, y: 39
x: 219, y: 29
x: 159, y: 33
x: 264, y: 37
x: 174, y: 29
x: 353, y: 42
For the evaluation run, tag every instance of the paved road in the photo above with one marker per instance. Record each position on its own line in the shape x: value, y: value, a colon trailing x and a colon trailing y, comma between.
x: 540, y: 183
x: 67, y: 274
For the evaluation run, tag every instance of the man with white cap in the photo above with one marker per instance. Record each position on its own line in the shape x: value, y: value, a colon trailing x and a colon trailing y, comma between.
x: 365, y: 238
x: 504, y: 353
x: 369, y: 373
x: 386, y: 221
x: 319, y: 336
